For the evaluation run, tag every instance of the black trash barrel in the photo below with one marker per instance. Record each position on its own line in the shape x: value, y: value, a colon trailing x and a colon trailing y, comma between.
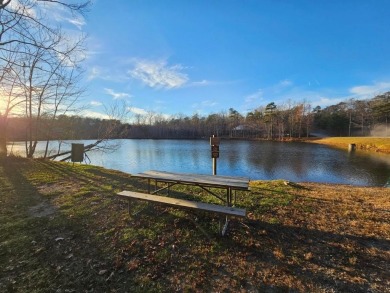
x: 77, y: 152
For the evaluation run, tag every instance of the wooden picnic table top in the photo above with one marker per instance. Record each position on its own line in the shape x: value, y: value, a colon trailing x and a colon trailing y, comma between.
x: 232, y: 182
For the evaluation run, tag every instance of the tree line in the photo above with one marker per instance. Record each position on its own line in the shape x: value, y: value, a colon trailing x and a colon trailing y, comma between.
x: 278, y: 122
x: 291, y: 120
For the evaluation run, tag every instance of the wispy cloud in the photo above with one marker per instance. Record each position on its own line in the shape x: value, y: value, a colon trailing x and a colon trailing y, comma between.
x: 281, y: 86
x: 369, y: 91
x: 94, y: 114
x: 107, y: 74
x: 203, y: 104
x: 206, y: 82
x: 158, y: 74
x: 199, y: 83
x: 252, y: 101
x: 285, y: 83
x: 53, y: 11
x: 208, y: 103
x: 95, y: 103
x: 97, y: 72
x: 117, y: 95
x: 285, y: 92
x: 79, y: 22
x: 94, y: 73
x: 17, y: 5
x: 60, y: 13
x: 147, y: 116
x: 138, y: 111
x: 323, y: 101
x: 255, y: 97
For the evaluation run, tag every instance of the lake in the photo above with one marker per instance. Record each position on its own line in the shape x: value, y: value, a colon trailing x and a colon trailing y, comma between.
x: 259, y: 160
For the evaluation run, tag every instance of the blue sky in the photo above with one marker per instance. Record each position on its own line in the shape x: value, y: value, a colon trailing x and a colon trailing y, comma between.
x: 186, y: 57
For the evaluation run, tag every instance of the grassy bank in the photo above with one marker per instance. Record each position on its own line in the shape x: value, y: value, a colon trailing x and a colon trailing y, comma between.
x: 374, y: 144
x: 63, y: 230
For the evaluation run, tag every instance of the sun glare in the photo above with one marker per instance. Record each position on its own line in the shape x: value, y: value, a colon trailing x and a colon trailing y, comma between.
x: 4, y: 104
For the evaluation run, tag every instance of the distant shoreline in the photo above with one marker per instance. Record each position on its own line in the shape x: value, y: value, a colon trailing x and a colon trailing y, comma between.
x: 370, y: 144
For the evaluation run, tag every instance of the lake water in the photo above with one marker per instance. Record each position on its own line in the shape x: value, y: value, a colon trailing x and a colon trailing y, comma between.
x: 259, y: 160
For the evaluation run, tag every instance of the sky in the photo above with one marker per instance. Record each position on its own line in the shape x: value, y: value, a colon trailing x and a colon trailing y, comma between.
x: 192, y: 56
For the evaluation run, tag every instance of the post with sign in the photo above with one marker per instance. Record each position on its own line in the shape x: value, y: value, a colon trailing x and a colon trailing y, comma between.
x: 214, y: 142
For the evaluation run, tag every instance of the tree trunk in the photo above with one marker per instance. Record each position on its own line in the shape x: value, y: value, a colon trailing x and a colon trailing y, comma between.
x: 3, y: 138
x: 3, y: 147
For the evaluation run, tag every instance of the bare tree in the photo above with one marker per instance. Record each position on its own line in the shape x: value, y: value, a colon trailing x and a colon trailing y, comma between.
x: 17, y: 18
x: 50, y: 83
x: 150, y: 116
x: 308, y: 117
x: 362, y: 110
x: 9, y: 95
x: 33, y: 52
x: 63, y: 94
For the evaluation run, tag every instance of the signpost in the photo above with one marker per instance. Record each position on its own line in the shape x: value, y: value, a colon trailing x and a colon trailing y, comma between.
x: 214, y: 142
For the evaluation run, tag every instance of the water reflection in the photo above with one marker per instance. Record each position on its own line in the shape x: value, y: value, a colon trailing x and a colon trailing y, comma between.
x: 255, y: 159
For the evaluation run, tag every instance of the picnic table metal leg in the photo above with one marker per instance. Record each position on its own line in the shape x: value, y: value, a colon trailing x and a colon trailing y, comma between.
x: 225, y: 227
x: 229, y: 204
x: 229, y: 197
x: 148, y: 185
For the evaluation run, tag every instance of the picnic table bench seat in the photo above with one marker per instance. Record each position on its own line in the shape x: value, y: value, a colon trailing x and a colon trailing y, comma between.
x: 182, y: 203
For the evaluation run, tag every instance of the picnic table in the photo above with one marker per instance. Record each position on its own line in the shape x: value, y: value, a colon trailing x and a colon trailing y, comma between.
x: 206, y: 182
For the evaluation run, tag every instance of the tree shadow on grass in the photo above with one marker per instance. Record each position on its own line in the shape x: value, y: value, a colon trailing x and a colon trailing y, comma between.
x: 91, y: 175
x: 47, y: 252
x: 343, y: 263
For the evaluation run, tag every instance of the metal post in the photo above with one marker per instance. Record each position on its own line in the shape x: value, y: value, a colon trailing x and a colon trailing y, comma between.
x: 214, y: 142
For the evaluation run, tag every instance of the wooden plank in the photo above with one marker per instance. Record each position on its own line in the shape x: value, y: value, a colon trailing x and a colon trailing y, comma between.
x: 225, y: 210
x: 187, y: 178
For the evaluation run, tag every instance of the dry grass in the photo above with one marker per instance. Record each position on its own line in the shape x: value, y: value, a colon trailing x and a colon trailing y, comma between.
x: 376, y: 144
x: 63, y: 230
